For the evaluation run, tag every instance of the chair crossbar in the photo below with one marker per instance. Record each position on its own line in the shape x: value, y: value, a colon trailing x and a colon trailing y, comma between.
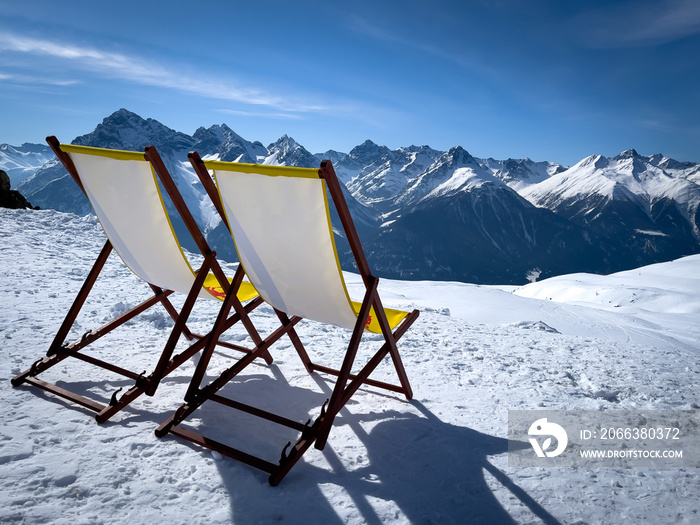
x: 226, y: 450
x: 276, y: 471
x: 66, y: 394
x: 226, y: 344
x: 241, y: 364
x: 254, y: 411
x: 106, y: 411
x: 58, y: 352
x: 81, y: 356
x: 367, y: 381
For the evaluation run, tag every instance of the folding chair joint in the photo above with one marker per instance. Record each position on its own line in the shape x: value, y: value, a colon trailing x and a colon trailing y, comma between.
x: 113, y: 401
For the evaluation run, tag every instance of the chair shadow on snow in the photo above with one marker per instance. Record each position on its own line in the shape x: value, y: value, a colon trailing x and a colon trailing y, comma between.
x: 416, y: 466
x: 426, y: 470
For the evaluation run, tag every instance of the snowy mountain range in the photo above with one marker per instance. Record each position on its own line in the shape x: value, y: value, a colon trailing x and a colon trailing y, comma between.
x: 428, y: 214
x: 20, y: 162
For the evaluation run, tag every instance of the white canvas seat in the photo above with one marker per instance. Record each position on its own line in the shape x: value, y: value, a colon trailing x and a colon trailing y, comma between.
x: 122, y: 187
x: 281, y: 224
x: 289, y: 256
x: 140, y: 231
x: 123, y: 190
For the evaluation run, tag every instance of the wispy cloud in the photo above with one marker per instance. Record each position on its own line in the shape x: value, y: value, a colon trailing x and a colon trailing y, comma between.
x: 640, y: 24
x: 654, y: 124
x: 275, y: 115
x: 140, y: 71
x: 34, y: 80
x: 371, y: 29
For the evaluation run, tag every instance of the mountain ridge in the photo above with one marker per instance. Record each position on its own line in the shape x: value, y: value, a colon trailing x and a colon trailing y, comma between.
x: 419, y: 209
x: 20, y: 162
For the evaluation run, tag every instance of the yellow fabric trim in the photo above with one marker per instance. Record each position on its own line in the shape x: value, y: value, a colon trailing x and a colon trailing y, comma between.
x: 102, y: 152
x: 335, y: 248
x: 214, y: 288
x: 244, y: 283
x: 262, y: 169
x: 393, y: 316
x: 167, y: 218
x: 245, y: 293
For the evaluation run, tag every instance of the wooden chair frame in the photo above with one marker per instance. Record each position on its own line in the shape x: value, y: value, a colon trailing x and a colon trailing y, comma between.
x: 347, y: 383
x: 60, y: 350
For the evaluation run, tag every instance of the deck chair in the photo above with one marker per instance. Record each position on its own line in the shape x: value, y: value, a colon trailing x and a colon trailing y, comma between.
x: 280, y: 221
x: 122, y: 187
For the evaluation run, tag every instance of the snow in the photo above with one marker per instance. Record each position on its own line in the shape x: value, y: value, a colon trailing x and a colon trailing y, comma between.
x: 23, y: 161
x: 630, y: 177
x: 585, y: 178
x: 463, y: 179
x: 625, y: 341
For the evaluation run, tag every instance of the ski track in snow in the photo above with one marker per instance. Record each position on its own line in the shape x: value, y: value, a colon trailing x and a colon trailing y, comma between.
x: 474, y: 353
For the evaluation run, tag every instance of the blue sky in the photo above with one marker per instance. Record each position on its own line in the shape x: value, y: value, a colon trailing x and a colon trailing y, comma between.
x: 549, y: 80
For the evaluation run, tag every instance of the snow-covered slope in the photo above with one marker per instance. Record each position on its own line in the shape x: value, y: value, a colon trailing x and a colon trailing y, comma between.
x: 522, y: 173
x: 220, y: 142
x: 652, y: 301
x: 376, y: 176
x: 474, y: 353
x: 23, y: 161
x: 643, y: 209
x: 583, y: 191
x: 464, y: 223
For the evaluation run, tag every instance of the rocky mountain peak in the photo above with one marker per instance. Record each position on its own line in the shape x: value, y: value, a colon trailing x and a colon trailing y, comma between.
x: 457, y: 155
x: 367, y: 150
x: 222, y: 141
x: 126, y: 130
x: 287, y: 152
x: 627, y: 154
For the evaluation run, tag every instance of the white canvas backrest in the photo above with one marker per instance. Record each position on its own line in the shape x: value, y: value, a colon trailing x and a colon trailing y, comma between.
x: 281, y: 226
x: 123, y: 190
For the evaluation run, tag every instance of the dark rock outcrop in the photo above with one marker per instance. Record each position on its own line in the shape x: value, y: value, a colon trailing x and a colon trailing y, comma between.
x: 11, y: 198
